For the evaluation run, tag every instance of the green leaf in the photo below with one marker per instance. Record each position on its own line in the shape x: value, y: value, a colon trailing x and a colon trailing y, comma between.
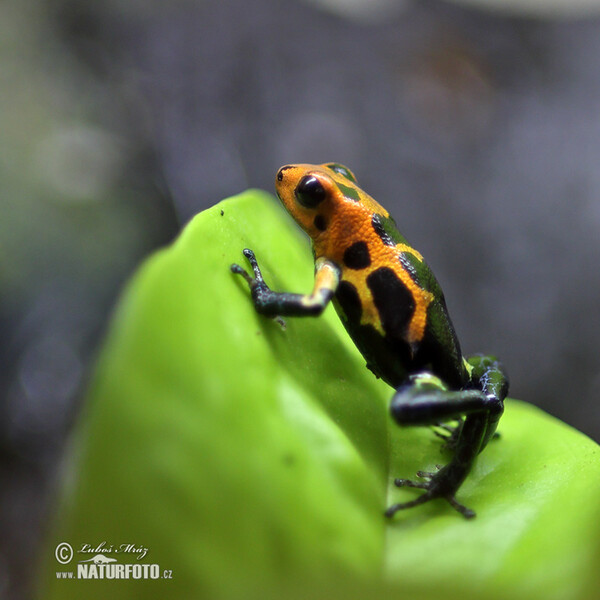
x: 254, y: 461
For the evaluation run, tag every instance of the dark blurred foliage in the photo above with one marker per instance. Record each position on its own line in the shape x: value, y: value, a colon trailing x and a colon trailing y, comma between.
x: 121, y: 120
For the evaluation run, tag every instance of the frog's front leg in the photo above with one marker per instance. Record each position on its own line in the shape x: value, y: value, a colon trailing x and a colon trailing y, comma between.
x: 425, y: 400
x: 270, y: 303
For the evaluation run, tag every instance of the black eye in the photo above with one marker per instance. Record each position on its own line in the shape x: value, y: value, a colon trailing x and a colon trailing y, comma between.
x: 310, y: 192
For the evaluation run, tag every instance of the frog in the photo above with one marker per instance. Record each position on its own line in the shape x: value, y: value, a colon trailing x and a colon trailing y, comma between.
x: 394, y: 309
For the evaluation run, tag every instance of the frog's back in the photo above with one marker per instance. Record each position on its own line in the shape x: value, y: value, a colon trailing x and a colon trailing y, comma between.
x: 388, y: 298
x: 395, y: 311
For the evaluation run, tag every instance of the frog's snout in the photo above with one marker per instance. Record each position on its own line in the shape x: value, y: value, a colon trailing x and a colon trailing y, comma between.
x: 280, y: 172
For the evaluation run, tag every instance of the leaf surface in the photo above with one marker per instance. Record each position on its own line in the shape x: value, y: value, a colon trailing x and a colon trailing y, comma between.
x: 254, y: 461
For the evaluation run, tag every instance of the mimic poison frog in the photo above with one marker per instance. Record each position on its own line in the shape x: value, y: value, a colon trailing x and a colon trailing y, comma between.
x: 394, y: 309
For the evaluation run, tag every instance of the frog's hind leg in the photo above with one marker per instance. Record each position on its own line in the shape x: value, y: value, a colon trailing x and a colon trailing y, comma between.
x: 425, y: 400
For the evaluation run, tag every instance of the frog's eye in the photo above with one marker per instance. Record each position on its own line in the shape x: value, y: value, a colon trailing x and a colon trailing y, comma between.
x: 310, y: 192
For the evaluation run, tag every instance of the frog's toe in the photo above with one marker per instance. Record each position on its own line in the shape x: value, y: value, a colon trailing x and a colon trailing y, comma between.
x: 426, y: 497
x: 411, y: 483
x: 433, y: 490
x: 249, y: 254
x: 235, y: 268
x: 392, y: 510
x: 427, y: 474
x: 467, y: 513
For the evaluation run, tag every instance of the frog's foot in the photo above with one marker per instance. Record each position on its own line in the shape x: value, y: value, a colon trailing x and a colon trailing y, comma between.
x: 436, y: 485
x: 261, y: 294
x: 252, y: 281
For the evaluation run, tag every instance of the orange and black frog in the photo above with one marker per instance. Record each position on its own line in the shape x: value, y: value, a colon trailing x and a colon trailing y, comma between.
x: 394, y: 309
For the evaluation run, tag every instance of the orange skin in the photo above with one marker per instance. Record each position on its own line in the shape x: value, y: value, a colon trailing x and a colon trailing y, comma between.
x: 349, y: 221
x: 394, y: 310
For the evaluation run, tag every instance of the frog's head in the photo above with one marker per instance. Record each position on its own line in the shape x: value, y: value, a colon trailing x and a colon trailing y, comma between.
x: 315, y: 194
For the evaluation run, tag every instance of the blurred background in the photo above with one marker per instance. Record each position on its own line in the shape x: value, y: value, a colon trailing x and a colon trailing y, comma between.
x: 477, y: 124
